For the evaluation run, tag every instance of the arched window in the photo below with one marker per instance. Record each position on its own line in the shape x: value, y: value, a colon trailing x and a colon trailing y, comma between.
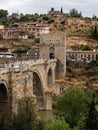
x: 51, y: 53
x: 3, y: 100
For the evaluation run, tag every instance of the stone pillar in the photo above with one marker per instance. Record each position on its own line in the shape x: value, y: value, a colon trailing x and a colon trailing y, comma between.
x: 48, y: 100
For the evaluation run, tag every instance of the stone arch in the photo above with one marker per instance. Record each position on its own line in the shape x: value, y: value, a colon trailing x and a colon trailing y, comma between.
x: 50, y: 78
x: 3, y: 82
x: 3, y: 98
x: 38, y: 89
x: 51, y: 53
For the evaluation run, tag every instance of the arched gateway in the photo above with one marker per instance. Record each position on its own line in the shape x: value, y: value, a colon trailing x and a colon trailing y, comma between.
x: 4, y: 99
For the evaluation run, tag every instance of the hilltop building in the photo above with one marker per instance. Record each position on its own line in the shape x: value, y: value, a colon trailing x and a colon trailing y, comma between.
x: 56, y: 13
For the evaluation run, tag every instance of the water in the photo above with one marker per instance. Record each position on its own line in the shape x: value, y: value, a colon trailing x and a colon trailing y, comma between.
x: 46, y: 115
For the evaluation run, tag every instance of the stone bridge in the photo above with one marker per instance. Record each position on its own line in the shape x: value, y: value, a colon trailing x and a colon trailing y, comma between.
x: 22, y: 82
x: 33, y: 82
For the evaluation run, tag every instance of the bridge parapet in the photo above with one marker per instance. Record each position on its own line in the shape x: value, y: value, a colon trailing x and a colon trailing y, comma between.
x: 22, y: 65
x: 4, y: 70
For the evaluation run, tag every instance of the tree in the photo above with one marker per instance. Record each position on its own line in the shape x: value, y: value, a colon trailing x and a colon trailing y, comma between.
x: 94, y: 17
x: 23, y: 121
x: 61, y: 10
x: 57, y: 125
x: 85, y: 48
x: 92, y: 119
x: 3, y: 13
x: 75, y: 13
x: 93, y: 32
x: 7, y: 125
x: 72, y: 107
x: 52, y: 9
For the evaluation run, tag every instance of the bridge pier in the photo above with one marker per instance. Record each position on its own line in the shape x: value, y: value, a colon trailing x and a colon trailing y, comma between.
x: 48, y: 100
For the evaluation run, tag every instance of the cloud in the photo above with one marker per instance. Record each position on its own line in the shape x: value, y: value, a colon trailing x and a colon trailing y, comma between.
x: 87, y: 7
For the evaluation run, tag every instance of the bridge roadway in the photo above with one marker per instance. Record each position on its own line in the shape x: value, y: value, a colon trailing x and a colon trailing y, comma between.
x: 31, y: 80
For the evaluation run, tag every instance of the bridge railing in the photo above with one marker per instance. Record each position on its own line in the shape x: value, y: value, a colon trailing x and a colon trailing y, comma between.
x: 22, y: 65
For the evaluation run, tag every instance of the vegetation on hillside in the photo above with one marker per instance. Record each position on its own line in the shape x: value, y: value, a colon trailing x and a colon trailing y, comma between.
x: 72, y: 23
x: 93, y: 32
x: 75, y: 107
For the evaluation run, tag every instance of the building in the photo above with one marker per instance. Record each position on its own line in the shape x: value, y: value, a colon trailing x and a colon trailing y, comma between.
x: 79, y: 55
x: 19, y: 31
x: 55, y: 13
x: 33, y: 53
x: 1, y: 27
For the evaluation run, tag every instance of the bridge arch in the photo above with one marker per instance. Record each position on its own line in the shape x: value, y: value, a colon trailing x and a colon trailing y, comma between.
x: 3, y: 98
x: 50, y: 78
x: 3, y: 88
x: 38, y: 88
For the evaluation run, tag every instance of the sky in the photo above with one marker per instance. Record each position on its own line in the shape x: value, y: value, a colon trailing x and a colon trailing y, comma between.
x: 87, y: 7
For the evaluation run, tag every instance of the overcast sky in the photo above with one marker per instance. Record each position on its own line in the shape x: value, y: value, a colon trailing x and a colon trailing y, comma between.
x: 87, y: 7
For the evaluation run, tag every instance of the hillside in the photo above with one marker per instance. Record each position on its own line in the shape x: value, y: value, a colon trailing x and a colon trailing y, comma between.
x: 77, y: 30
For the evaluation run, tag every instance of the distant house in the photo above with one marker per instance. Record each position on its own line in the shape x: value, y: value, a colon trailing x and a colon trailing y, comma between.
x: 33, y: 53
x: 19, y: 35
x: 19, y: 31
x: 1, y: 27
x: 79, y: 55
x: 37, y: 28
x: 32, y: 27
x: 13, y: 33
x: 6, y: 33
x: 56, y: 13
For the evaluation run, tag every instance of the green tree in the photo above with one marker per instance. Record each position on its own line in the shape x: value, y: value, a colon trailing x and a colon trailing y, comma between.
x: 37, y: 40
x: 75, y: 13
x: 92, y: 119
x: 7, y: 125
x: 93, y: 32
x: 94, y: 17
x: 85, y: 48
x: 3, y: 13
x: 45, y: 18
x: 23, y: 121
x: 52, y: 9
x: 57, y: 125
x: 61, y: 10
x: 73, y: 107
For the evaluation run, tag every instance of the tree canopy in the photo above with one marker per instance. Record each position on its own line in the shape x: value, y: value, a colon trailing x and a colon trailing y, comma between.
x: 75, y: 13
x: 3, y: 13
x: 73, y: 107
